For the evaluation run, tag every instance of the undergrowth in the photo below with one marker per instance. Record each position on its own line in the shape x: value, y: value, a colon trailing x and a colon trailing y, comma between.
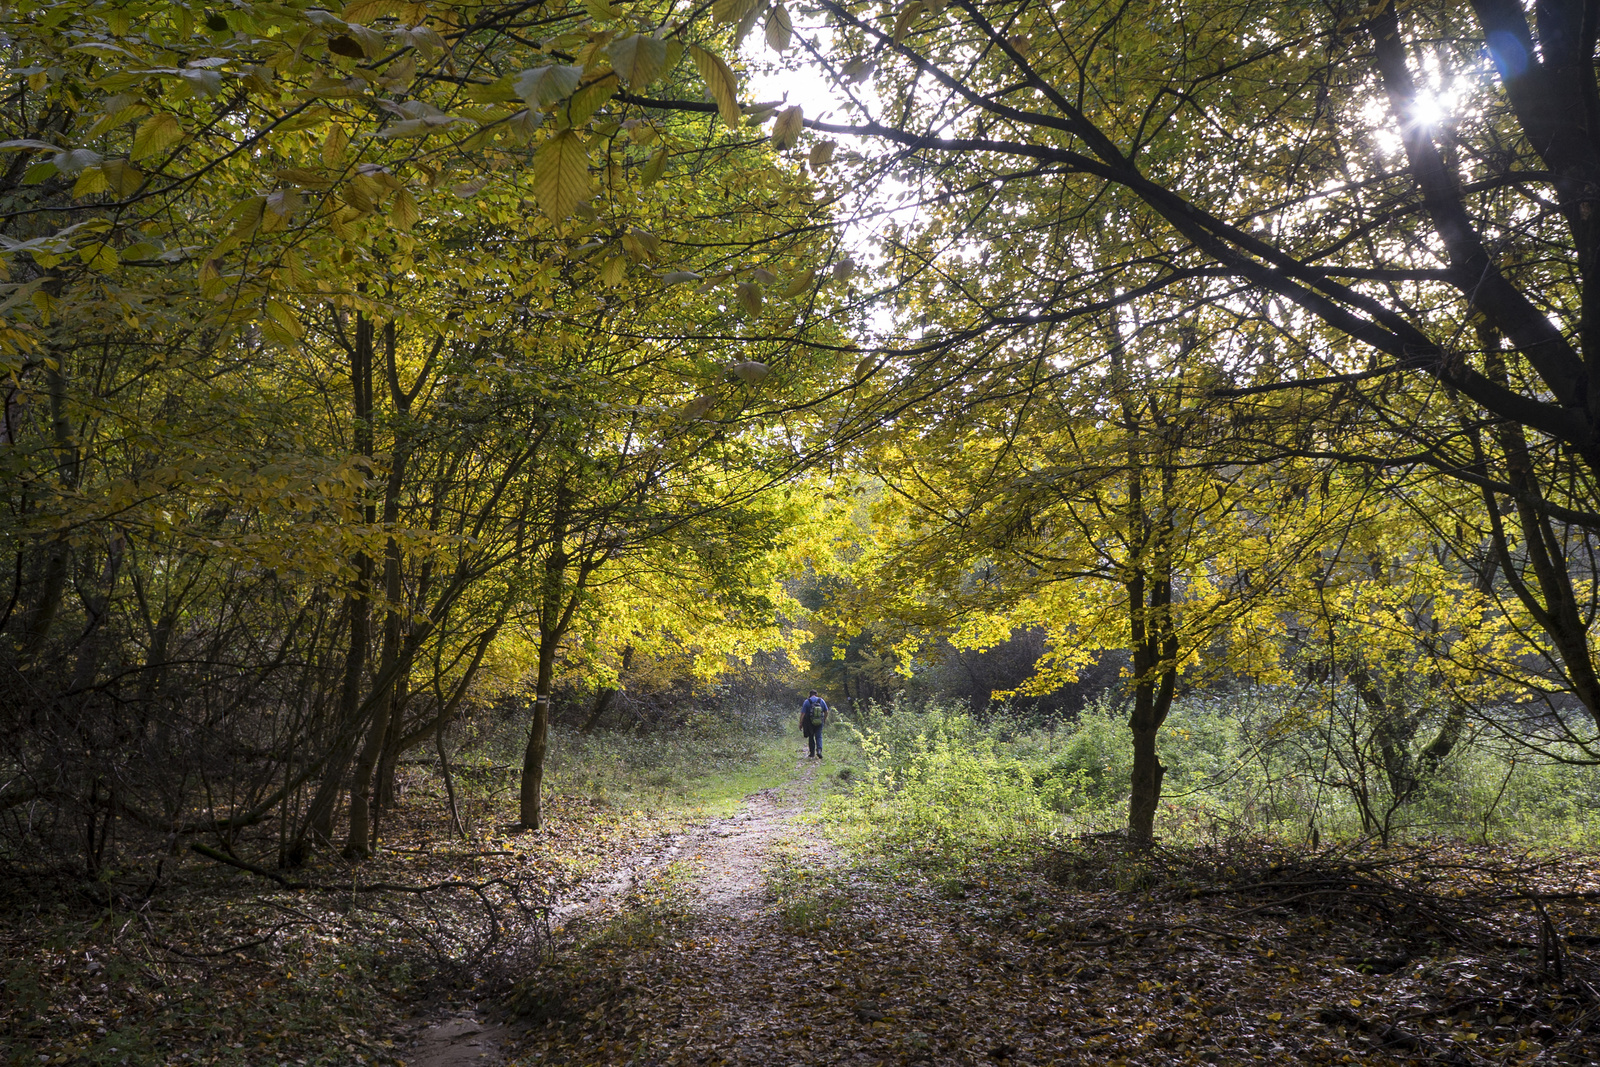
x: 940, y: 784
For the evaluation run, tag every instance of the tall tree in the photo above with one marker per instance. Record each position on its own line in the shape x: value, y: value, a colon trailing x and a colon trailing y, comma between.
x: 1397, y: 193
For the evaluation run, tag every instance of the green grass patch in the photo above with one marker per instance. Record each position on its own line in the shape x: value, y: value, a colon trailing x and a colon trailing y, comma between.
x: 805, y: 897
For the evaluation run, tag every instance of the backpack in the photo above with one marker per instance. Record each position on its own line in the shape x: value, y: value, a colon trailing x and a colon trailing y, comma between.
x: 812, y: 711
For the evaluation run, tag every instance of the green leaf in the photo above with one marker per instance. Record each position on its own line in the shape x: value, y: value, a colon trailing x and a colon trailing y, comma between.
x: 561, y: 174
x: 74, y: 161
x: 638, y: 59
x: 203, y: 82
x: 721, y: 83
x: 611, y: 273
x: 653, y: 168
x: 786, y: 131
x: 156, y: 134
x: 540, y: 86
x: 780, y: 28
x: 589, y: 99
x: 749, y: 296
x: 858, y: 69
x: 822, y: 154
x: 799, y: 284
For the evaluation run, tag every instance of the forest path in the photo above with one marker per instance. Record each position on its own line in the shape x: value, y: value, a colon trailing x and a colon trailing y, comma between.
x: 746, y: 942
x: 723, y: 860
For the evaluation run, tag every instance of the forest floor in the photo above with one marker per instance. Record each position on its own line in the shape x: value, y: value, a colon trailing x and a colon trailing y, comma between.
x: 673, y: 939
x: 751, y: 941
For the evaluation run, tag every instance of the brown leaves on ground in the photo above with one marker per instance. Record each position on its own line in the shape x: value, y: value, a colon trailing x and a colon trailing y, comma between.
x: 1090, y: 955
x: 180, y: 960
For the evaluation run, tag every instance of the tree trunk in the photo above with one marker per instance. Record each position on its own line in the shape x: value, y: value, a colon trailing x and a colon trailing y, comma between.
x: 531, y: 815
x: 1146, y: 785
x: 319, y: 819
x: 608, y: 695
x: 555, y: 614
x: 43, y: 616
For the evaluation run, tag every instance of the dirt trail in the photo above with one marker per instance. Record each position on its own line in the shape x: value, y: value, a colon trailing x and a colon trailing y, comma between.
x: 726, y: 857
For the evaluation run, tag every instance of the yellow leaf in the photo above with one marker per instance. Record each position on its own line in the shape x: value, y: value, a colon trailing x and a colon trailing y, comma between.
x: 403, y: 212
x: 730, y: 12
x: 749, y: 295
x: 285, y: 317
x: 92, y: 180
x: 903, y: 20
x: 611, y: 273
x: 334, y: 145
x: 637, y: 59
x: 822, y: 154
x: 653, y: 168
x: 156, y: 133
x: 780, y: 28
x: 561, y: 174
x: 799, y: 284
x: 786, y: 131
x: 721, y: 83
x: 100, y: 256
x: 124, y: 177
x: 539, y: 86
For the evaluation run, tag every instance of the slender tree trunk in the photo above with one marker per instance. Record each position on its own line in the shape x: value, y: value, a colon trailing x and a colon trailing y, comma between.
x: 449, y: 782
x: 554, y: 612
x: 608, y: 695
x: 530, y: 801
x: 319, y: 819
x: 43, y: 616
x: 382, y: 730
x: 91, y: 649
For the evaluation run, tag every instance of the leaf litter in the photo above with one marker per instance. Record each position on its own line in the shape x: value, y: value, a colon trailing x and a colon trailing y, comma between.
x: 1084, y: 952
x: 649, y: 940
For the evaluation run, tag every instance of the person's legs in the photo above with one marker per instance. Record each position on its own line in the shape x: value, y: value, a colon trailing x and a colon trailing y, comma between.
x: 817, y: 738
x: 811, y: 745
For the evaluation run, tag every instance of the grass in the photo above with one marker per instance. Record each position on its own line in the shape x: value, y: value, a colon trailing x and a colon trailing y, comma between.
x: 702, y: 769
x: 807, y: 897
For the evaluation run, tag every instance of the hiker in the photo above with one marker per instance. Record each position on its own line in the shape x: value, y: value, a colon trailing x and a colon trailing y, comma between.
x: 813, y: 716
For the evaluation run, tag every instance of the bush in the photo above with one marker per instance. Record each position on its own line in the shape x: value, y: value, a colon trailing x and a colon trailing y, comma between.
x: 1258, y: 761
x: 935, y: 783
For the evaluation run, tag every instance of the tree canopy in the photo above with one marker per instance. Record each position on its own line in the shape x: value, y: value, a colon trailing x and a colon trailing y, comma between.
x: 346, y: 353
